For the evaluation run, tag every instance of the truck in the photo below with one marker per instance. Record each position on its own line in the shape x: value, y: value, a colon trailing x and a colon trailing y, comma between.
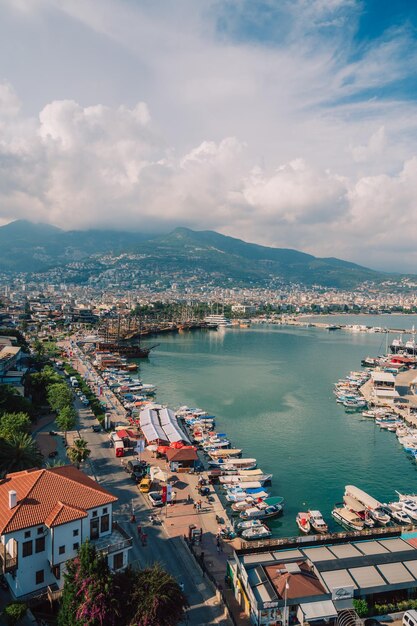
x: 119, y: 448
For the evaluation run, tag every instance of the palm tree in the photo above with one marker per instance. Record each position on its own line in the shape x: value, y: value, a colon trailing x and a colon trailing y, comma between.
x: 78, y: 452
x: 19, y: 452
x: 157, y: 599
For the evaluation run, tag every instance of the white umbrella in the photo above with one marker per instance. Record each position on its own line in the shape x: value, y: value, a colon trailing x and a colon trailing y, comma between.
x: 152, y: 447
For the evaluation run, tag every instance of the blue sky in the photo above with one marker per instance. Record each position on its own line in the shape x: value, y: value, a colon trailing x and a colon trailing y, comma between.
x: 285, y: 122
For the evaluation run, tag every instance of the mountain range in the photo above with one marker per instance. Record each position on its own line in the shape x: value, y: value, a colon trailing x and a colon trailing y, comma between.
x: 26, y: 247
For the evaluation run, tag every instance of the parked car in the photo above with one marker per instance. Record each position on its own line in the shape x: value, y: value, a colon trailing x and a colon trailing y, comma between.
x: 137, y: 475
x: 135, y: 465
x: 155, y: 498
x: 145, y: 485
x: 96, y: 428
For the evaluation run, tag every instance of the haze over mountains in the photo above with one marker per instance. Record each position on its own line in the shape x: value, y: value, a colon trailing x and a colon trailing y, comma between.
x: 37, y: 248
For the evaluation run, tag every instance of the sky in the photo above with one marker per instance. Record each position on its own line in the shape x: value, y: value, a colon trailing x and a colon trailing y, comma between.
x: 289, y: 123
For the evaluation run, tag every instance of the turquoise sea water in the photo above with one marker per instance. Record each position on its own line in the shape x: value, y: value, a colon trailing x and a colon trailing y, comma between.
x: 270, y: 388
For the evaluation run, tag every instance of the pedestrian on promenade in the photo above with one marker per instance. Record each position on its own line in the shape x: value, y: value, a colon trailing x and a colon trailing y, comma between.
x: 199, y: 505
x: 195, y: 506
x: 144, y: 537
x: 139, y: 528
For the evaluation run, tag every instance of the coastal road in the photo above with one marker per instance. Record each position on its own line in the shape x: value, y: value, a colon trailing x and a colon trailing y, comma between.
x: 170, y: 552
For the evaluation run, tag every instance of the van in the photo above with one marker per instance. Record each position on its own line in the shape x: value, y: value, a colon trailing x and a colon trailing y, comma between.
x: 410, y: 618
x: 145, y: 486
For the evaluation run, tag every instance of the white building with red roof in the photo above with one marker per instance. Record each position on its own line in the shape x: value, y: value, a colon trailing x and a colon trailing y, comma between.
x: 45, y: 515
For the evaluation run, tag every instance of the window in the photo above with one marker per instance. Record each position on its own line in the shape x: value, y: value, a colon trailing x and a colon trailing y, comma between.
x: 27, y: 548
x: 105, y: 523
x: 40, y: 530
x: 104, y: 511
x: 61, y: 549
x: 75, y: 532
x: 40, y: 544
x: 94, y: 513
x: 75, y: 546
x: 118, y: 560
x: 27, y: 534
x: 40, y: 577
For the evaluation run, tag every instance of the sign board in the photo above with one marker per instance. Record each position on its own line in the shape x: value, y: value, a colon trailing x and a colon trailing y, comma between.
x: 164, y: 494
x: 342, y: 593
x: 270, y: 605
x: 140, y: 446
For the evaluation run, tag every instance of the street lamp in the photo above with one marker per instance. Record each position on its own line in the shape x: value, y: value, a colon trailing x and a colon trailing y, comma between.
x: 284, y: 621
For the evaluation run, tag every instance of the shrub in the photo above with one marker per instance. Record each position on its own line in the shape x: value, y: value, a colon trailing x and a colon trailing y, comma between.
x: 14, y: 612
x: 361, y: 607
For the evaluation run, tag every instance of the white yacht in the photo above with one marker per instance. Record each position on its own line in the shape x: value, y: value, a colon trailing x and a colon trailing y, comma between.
x: 217, y: 321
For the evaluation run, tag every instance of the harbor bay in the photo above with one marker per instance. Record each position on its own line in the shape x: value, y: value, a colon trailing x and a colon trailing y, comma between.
x: 270, y: 388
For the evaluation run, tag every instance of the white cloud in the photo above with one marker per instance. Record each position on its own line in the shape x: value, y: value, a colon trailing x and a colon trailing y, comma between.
x: 296, y: 143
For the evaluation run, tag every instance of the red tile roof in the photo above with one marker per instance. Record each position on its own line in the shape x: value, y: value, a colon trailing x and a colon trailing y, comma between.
x: 49, y: 496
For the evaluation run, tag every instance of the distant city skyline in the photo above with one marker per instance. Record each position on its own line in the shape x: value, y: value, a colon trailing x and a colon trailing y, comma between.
x: 288, y: 123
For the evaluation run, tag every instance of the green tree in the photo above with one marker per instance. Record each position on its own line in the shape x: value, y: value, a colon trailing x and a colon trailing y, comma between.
x: 39, y: 350
x: 38, y: 383
x: 66, y: 419
x: 78, y: 452
x: 12, y: 402
x: 20, y: 452
x: 88, y: 593
x: 59, y: 395
x: 13, y: 423
x: 14, y: 612
x: 156, y: 598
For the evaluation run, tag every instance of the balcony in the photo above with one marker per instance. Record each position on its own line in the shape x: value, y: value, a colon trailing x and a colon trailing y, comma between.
x: 115, y: 542
x: 8, y: 562
x: 54, y: 592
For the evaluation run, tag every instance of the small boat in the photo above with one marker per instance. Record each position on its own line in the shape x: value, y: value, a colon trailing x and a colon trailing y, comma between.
x: 243, y: 479
x: 398, y: 515
x: 262, y: 511
x: 250, y: 523
x: 303, y: 522
x: 257, y: 532
x: 229, y: 453
x: 410, y: 508
x: 234, y: 463
x: 317, y: 522
x: 379, y: 516
x: 240, y: 496
x: 247, y: 503
x: 346, y: 518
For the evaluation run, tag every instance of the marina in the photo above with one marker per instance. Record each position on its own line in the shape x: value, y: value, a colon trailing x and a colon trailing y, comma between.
x: 270, y: 414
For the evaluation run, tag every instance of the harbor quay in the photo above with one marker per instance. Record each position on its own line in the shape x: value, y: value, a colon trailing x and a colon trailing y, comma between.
x: 288, y: 580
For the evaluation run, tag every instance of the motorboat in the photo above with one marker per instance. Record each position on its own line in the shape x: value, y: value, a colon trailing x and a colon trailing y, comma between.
x: 399, y: 516
x: 243, y: 479
x: 257, y: 532
x: 347, y: 518
x: 247, y: 503
x: 317, y: 522
x: 221, y: 453
x: 380, y: 516
x: 302, y: 520
x: 361, y: 511
x: 366, y: 503
x: 262, y: 511
x: 250, y: 523
x: 234, y: 463
x: 239, y: 496
x: 410, y: 508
